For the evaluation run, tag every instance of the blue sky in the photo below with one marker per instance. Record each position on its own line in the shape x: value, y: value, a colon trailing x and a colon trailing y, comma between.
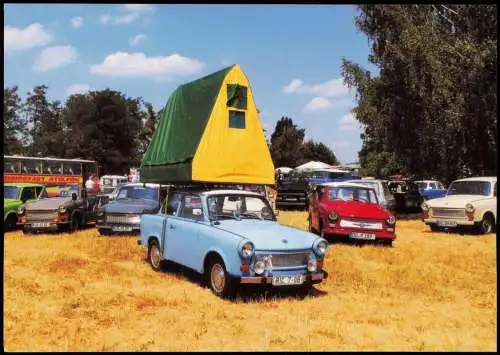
x: 290, y: 53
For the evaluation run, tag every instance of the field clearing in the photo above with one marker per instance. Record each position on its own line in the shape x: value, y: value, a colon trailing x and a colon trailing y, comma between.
x: 83, y: 292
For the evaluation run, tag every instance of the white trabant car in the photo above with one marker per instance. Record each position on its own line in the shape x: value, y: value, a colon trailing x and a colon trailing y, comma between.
x: 470, y: 202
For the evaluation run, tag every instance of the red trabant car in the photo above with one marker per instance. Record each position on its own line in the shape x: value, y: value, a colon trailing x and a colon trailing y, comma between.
x: 350, y: 209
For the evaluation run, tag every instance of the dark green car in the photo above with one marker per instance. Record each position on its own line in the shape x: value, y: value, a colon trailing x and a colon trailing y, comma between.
x: 14, y: 196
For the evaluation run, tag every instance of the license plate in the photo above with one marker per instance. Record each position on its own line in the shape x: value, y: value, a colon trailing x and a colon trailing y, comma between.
x: 41, y: 225
x: 364, y: 236
x: 122, y: 229
x: 447, y: 223
x: 288, y: 280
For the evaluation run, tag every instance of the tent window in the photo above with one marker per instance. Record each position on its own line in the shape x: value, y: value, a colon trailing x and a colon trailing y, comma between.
x: 236, y: 119
x: 237, y: 96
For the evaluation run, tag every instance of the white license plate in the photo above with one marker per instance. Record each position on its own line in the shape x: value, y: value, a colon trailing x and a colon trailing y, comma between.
x: 288, y: 280
x: 121, y: 229
x: 41, y: 225
x: 447, y: 223
x: 363, y: 236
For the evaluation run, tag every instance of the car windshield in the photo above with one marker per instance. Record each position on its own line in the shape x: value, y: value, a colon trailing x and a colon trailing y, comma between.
x: 225, y: 206
x: 344, y: 193
x: 11, y: 192
x: 470, y: 187
x: 138, y: 192
x: 68, y: 192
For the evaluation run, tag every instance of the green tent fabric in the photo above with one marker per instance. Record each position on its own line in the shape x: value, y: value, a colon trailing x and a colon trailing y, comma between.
x: 179, y: 131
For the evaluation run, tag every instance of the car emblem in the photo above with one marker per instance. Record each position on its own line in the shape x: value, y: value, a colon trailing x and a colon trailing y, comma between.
x: 284, y: 241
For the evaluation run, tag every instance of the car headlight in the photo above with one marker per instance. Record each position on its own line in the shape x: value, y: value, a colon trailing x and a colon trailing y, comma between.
x: 425, y: 206
x: 312, y: 264
x: 391, y: 220
x: 259, y: 267
x: 100, y: 213
x: 21, y: 210
x: 62, y: 209
x: 469, y: 208
x: 247, y: 250
x: 320, y: 247
x: 333, y: 216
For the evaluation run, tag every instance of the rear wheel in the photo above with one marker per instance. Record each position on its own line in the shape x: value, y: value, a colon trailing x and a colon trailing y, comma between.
x: 154, y: 255
x: 10, y: 223
x: 434, y: 228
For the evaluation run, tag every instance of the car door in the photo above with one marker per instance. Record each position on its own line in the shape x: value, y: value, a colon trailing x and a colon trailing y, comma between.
x: 182, y: 232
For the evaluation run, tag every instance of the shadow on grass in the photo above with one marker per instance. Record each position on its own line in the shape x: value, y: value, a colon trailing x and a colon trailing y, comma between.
x: 345, y: 240
x: 246, y: 293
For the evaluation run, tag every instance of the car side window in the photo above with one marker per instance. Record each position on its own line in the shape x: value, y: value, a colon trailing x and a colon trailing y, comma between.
x: 191, y: 207
x: 28, y: 194
x: 38, y: 190
x: 433, y: 186
x: 172, y: 203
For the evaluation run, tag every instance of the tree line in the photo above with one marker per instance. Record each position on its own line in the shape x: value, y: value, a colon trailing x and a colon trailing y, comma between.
x: 432, y: 110
x: 115, y: 130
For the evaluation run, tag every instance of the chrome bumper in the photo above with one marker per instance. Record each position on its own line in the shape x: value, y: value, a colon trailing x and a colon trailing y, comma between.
x: 460, y: 222
x: 268, y: 280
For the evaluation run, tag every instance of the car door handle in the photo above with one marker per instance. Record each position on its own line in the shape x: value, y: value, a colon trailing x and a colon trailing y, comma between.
x: 171, y: 226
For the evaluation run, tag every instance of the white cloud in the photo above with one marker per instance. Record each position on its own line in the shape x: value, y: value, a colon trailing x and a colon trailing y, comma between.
x: 77, y: 89
x: 77, y: 22
x: 138, y: 65
x: 16, y: 39
x: 318, y: 103
x: 54, y: 57
x: 132, y: 13
x: 134, y: 41
x: 349, y: 123
x: 331, y: 88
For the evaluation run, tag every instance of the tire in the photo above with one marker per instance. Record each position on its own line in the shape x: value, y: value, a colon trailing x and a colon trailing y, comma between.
x: 10, y: 223
x: 218, y: 280
x: 487, y: 224
x: 74, y: 223
x: 386, y: 242
x: 304, y: 290
x: 103, y: 231
x: 154, y: 256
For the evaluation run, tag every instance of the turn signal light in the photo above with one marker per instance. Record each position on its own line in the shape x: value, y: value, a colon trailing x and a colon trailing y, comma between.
x: 244, y: 267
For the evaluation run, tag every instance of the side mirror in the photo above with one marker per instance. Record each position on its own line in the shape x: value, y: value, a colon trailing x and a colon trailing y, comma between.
x: 74, y: 196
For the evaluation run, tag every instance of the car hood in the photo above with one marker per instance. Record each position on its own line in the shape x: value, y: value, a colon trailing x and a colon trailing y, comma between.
x: 269, y: 235
x: 357, y: 209
x: 455, y: 201
x: 132, y: 206
x: 48, y: 203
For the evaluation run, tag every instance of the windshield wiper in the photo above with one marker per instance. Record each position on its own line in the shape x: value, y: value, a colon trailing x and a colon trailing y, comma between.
x: 222, y: 215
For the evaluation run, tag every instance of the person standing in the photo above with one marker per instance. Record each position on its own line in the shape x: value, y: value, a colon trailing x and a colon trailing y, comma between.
x: 89, y: 184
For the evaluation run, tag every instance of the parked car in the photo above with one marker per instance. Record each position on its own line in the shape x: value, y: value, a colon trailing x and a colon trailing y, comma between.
x: 470, y: 202
x: 406, y: 194
x: 292, y: 191
x: 14, y: 196
x: 430, y: 189
x: 108, y: 183
x: 384, y: 195
x: 73, y: 209
x: 232, y: 238
x: 127, y: 204
x: 352, y: 210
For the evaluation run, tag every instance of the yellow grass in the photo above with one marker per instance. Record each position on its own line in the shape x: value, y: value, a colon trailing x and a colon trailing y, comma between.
x: 82, y: 292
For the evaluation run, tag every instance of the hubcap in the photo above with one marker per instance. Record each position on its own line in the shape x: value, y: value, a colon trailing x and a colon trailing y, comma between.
x: 155, y: 256
x: 217, y: 278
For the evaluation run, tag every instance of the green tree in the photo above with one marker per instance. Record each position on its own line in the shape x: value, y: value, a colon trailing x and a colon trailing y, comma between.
x: 14, y: 125
x: 286, y: 143
x: 317, y: 152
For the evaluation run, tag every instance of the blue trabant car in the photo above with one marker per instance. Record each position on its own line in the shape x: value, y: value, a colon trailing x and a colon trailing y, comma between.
x: 232, y: 237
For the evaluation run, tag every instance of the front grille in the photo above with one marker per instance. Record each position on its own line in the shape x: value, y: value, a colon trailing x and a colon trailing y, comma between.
x: 123, y: 218
x: 361, y: 224
x: 287, y: 260
x: 43, y: 215
x: 448, y: 212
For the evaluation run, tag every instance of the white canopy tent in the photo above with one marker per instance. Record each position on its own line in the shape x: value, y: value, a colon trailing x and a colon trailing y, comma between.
x: 313, y: 165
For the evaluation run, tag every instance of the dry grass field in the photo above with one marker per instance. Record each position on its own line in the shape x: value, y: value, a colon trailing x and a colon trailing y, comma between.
x: 83, y: 292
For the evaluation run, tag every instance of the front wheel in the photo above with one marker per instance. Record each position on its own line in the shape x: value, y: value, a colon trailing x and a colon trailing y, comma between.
x: 435, y: 228
x: 219, y: 280
x: 154, y: 256
x: 486, y: 224
x: 74, y: 224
